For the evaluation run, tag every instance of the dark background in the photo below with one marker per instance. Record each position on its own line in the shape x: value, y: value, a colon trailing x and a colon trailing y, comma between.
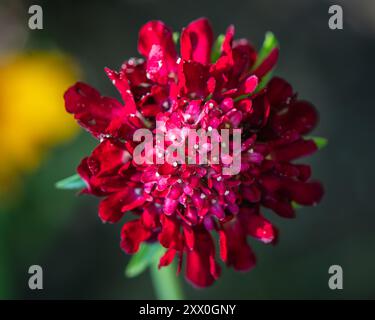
x: 333, y: 69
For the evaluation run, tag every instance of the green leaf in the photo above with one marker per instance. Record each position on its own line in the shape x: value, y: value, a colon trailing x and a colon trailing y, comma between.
x: 320, y: 142
x: 241, y: 97
x: 71, y: 183
x: 216, y: 50
x: 176, y: 37
x: 270, y: 42
x: 143, y: 259
x: 296, y: 205
x: 166, y: 283
x: 264, y: 81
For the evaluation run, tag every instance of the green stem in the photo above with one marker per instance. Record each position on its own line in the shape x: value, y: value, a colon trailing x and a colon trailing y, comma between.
x: 165, y: 282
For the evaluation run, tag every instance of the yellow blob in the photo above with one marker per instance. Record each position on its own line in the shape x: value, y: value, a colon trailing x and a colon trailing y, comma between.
x: 32, y: 113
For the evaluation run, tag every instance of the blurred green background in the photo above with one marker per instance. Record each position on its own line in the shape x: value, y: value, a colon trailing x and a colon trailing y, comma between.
x: 334, y: 70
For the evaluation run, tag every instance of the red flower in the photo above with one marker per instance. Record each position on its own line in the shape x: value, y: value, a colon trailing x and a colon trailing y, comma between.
x: 181, y: 205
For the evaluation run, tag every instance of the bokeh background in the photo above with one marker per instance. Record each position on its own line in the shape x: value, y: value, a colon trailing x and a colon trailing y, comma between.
x: 81, y: 257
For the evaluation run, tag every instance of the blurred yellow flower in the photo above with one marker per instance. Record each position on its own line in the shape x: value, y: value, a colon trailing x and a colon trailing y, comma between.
x: 32, y: 114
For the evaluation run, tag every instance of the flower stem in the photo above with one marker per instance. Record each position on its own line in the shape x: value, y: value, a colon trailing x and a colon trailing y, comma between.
x: 165, y: 282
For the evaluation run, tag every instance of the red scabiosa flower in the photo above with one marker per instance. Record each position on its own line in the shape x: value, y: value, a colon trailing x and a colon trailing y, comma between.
x: 181, y: 205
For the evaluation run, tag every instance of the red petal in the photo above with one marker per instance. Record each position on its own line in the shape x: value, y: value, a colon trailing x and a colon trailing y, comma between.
x: 225, y: 62
x: 157, y: 33
x: 228, y: 41
x: 157, y: 66
x: 78, y: 92
x: 295, y: 150
x: 215, y: 268
x: 135, y: 71
x: 304, y: 171
x: 169, y: 235
x: 244, y: 57
x: 300, y: 116
x: 170, y: 206
x: 234, y: 248
x: 189, y: 237
x: 150, y: 217
x: 223, y: 244
x: 211, y: 84
x: 167, y: 258
x: 201, y: 268
x: 151, y: 103
x: 305, y: 193
x: 175, y: 191
x: 280, y: 206
x: 93, y: 112
x: 166, y: 169
x: 196, y: 41
x: 260, y: 111
x: 120, y: 81
x: 267, y: 64
x: 132, y: 235
x: 110, y: 157
x: 250, y: 84
x: 251, y: 193
x: 101, y: 170
x: 85, y: 173
x: 193, y: 78
x: 112, y: 208
x: 260, y: 228
x: 278, y: 91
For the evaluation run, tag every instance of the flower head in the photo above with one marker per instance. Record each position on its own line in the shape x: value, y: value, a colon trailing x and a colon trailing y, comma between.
x: 181, y: 204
